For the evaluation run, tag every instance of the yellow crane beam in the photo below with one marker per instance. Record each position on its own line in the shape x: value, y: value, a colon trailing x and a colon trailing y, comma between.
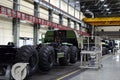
x: 110, y: 21
x: 117, y: 23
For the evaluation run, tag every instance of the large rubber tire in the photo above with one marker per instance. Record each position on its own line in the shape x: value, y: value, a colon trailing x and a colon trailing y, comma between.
x: 28, y: 54
x: 73, y: 54
x: 104, y: 51
x: 46, y: 58
x: 64, y: 61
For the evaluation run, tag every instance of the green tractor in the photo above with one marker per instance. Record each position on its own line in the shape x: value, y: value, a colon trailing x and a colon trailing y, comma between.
x: 62, y: 46
x: 59, y: 47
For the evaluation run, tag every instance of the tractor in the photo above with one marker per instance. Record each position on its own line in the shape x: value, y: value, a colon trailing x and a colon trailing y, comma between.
x: 60, y: 47
x: 65, y: 45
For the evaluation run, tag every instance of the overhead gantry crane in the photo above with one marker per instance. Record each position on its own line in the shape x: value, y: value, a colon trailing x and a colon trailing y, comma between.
x: 103, y: 21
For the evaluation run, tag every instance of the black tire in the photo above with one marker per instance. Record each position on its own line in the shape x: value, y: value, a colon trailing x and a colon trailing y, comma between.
x: 28, y: 54
x: 46, y: 58
x: 73, y: 54
x: 104, y: 50
x: 66, y: 59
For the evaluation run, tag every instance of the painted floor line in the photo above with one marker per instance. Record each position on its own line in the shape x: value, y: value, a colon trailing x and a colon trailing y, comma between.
x: 68, y: 74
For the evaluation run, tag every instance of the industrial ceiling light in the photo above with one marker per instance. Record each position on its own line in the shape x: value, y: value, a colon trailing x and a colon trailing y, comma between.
x: 105, y: 5
x: 87, y: 10
x: 107, y: 9
x: 82, y: 6
x: 77, y: 2
x: 101, y: 0
x: 109, y: 12
x: 37, y: 1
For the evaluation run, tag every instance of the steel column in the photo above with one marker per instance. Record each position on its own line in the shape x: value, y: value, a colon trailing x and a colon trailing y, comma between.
x: 74, y: 8
x: 60, y: 4
x: 74, y: 12
x: 80, y: 4
x: 80, y: 27
x: 68, y: 6
x: 68, y: 22
x: 75, y: 25
x: 50, y: 17
x: 36, y: 26
x: 80, y: 15
x: 16, y: 23
x: 60, y: 19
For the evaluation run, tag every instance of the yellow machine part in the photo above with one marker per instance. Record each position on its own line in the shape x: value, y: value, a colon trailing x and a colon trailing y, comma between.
x: 108, y: 21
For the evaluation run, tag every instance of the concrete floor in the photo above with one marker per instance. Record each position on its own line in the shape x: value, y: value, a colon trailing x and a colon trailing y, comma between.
x: 56, y: 72
x: 110, y: 70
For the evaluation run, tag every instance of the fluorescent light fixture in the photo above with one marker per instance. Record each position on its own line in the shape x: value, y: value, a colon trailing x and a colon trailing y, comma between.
x: 107, y: 9
x: 101, y: 0
x: 77, y: 2
x: 82, y: 6
x: 37, y: 1
x: 105, y: 5
x: 87, y: 10
x: 109, y: 12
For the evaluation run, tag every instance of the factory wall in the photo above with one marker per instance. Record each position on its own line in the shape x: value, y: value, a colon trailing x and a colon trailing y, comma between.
x: 26, y: 27
x: 6, y: 25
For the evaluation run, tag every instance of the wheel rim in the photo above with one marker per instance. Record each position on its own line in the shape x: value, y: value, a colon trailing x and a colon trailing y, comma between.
x: 15, y: 69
